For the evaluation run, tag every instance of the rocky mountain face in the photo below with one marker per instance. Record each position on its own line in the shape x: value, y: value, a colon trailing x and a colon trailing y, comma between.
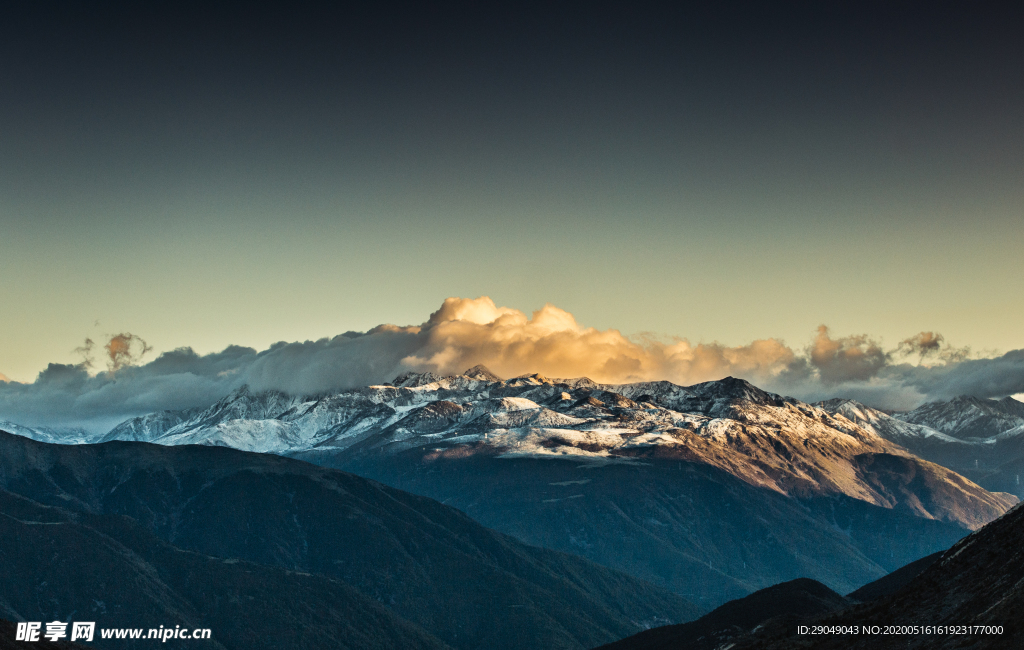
x: 271, y: 552
x: 67, y: 565
x: 713, y: 490
x: 981, y: 439
x: 764, y: 439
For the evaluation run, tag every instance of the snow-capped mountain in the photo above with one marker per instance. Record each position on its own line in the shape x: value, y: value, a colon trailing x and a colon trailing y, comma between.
x: 147, y: 427
x: 884, y: 425
x: 969, y: 417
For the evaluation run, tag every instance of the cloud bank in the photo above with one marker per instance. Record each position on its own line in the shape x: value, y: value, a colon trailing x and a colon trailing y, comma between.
x: 466, y: 332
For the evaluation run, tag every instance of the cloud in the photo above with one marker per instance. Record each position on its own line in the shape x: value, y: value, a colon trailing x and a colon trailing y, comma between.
x: 926, y: 345
x: 922, y: 344
x: 125, y: 349
x: 85, y: 351
x: 3, y: 378
x: 466, y: 332
x: 994, y: 377
x: 845, y: 358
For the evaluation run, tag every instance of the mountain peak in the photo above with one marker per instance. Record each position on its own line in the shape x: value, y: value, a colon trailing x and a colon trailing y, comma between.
x: 1006, y: 405
x: 414, y: 379
x: 536, y: 379
x: 969, y: 400
x: 481, y: 372
x: 577, y: 382
x: 735, y: 389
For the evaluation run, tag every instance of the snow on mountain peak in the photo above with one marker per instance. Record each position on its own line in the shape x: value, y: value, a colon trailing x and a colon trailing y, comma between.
x: 415, y: 379
x: 966, y: 417
x: 482, y: 373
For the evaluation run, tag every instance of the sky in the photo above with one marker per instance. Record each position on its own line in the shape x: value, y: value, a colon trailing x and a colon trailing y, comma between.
x: 206, y: 178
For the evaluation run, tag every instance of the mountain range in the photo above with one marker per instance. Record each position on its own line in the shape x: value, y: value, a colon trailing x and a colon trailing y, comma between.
x: 272, y: 552
x: 712, y: 491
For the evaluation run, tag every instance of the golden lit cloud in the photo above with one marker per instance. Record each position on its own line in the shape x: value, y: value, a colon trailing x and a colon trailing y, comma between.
x: 465, y: 332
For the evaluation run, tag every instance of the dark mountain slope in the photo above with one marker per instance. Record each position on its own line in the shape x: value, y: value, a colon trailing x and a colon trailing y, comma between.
x: 110, y: 570
x: 895, y: 581
x: 428, y: 563
x: 791, y: 601
x: 689, y: 526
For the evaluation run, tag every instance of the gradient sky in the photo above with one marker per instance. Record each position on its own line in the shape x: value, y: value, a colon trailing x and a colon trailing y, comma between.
x: 205, y: 178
